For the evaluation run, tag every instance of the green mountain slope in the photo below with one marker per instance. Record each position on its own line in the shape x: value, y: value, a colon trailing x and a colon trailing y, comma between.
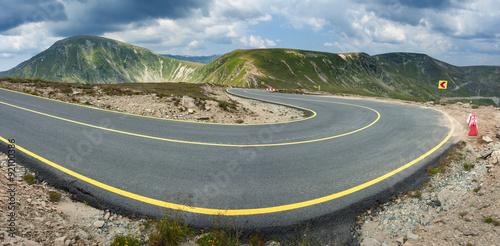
x: 395, y: 75
x: 197, y: 59
x: 100, y: 60
x: 90, y: 59
x: 425, y: 71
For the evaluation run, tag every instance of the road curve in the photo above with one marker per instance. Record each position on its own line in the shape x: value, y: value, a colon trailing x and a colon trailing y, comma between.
x: 260, y: 175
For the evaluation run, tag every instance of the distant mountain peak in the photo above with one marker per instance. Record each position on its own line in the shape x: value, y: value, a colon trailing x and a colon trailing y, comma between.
x: 93, y: 59
x: 90, y: 59
x: 197, y: 59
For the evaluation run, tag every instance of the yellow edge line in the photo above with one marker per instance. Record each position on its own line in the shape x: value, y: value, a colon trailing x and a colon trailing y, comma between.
x: 235, y: 212
x: 196, y: 122
x: 201, y: 143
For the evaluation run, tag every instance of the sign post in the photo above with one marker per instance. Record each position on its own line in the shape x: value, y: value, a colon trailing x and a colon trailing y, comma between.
x: 442, y: 85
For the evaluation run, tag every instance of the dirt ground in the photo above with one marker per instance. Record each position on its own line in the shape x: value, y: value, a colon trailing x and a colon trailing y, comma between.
x: 232, y: 111
x: 29, y: 211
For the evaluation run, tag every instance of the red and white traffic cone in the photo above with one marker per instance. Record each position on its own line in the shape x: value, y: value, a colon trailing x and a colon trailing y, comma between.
x: 473, y: 127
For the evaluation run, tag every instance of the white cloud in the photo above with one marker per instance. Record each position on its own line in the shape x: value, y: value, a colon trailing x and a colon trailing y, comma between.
x: 26, y: 37
x: 6, y: 55
x: 226, y: 22
x: 257, y: 42
x: 333, y: 25
x: 195, y: 45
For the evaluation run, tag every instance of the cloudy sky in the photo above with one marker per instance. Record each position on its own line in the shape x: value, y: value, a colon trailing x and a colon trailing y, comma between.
x: 460, y: 32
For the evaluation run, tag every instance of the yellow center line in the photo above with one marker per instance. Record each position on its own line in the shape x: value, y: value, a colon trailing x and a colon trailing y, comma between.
x: 188, y: 121
x: 236, y: 212
x: 204, y: 143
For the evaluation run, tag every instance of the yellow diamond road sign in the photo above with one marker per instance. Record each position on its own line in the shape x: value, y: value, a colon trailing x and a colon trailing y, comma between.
x: 443, y: 84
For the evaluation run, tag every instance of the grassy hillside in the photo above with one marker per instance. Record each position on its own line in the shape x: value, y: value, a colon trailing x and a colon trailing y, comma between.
x: 99, y: 60
x: 197, y: 59
x: 88, y: 59
x: 395, y: 75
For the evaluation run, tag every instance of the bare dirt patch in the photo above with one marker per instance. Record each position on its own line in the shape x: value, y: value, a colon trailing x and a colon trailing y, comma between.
x: 187, y: 102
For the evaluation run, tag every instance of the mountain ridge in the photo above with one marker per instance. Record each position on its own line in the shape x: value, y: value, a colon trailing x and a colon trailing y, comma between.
x: 91, y: 59
x: 88, y: 59
x: 197, y: 59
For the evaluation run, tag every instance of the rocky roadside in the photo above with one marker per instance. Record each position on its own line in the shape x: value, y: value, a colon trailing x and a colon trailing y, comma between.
x: 37, y: 214
x: 228, y: 109
x: 459, y: 206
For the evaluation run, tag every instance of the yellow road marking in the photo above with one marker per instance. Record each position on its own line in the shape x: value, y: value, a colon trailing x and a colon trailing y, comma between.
x: 196, y: 122
x: 235, y: 212
x: 202, y: 143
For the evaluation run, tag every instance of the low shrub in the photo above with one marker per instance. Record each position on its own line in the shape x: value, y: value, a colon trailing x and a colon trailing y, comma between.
x: 54, y: 196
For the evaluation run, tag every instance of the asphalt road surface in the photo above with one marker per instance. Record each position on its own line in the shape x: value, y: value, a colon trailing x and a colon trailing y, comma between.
x: 263, y: 175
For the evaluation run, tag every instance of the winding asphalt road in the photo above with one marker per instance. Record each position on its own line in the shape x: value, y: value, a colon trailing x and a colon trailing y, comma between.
x: 261, y: 175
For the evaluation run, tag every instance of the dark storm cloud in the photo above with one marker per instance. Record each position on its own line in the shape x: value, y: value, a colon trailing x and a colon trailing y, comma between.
x: 93, y: 16
x: 440, y: 15
x: 124, y: 11
x: 420, y: 4
x: 15, y: 13
x: 111, y: 15
x: 406, y: 11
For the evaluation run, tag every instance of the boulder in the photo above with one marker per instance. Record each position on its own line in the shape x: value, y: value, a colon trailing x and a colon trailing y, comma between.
x: 368, y: 241
x: 59, y: 241
x: 99, y: 224
x: 487, y: 139
x: 412, y: 236
x: 495, y: 157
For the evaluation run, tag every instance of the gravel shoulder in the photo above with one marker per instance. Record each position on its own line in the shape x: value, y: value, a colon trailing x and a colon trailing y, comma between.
x: 459, y: 206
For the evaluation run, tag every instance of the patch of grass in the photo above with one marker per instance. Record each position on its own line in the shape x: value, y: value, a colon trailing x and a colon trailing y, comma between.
x: 148, y: 224
x: 477, y: 189
x: 461, y: 145
x: 54, y: 196
x: 414, y: 194
x: 489, y: 220
x: 160, y: 89
x: 481, y: 140
x: 68, y: 90
x: 256, y: 240
x: 90, y: 92
x: 468, y: 166
x: 218, y: 237
x: 128, y: 240
x: 86, y: 103
x: 439, y: 169
x: 169, y: 231
x: 29, y: 178
x: 239, y: 121
x: 176, y: 101
x: 227, y: 105
x: 462, y: 214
